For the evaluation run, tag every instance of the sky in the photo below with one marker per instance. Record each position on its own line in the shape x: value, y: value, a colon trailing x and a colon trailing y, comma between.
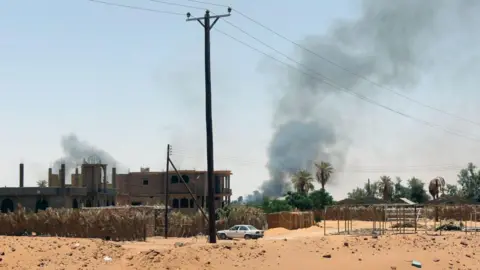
x: 130, y: 82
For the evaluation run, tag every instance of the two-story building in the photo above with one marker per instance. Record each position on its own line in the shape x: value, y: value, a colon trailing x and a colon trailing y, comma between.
x: 147, y: 187
x: 89, y: 187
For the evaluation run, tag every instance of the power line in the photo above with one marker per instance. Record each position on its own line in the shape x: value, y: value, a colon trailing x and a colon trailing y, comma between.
x: 322, y: 79
x: 136, y: 8
x: 378, y: 169
x: 175, y: 4
x: 348, y: 91
x: 338, y: 65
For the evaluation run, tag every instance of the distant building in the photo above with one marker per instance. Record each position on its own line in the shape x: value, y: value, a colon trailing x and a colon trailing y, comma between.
x: 94, y: 191
x: 89, y: 188
x: 146, y: 187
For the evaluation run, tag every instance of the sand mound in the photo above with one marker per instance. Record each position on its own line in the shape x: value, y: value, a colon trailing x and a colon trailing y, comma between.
x: 276, y: 231
x: 448, y: 251
x: 57, y: 253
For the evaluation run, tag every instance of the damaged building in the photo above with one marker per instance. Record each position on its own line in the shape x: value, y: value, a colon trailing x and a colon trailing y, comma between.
x: 89, y: 187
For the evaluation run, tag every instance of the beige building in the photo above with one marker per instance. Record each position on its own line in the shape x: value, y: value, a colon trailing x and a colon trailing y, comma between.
x: 94, y: 192
x: 89, y: 188
x: 146, y: 188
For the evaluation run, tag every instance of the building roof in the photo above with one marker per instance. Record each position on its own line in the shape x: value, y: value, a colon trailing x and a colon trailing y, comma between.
x: 362, y: 201
x: 172, y: 172
x: 452, y: 200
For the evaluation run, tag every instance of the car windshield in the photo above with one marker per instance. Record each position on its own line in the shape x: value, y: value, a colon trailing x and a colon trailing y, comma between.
x: 250, y: 227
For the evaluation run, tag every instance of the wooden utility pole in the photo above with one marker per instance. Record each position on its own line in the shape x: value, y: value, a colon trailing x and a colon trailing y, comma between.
x: 207, y: 25
x: 167, y: 192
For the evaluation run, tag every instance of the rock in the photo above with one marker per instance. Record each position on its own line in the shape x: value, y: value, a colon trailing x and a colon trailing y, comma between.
x: 436, y: 260
x: 345, y: 244
x: 464, y: 243
x: 179, y: 244
x: 327, y: 256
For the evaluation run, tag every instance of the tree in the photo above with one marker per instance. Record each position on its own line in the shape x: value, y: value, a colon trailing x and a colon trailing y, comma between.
x: 385, y: 186
x: 371, y: 189
x: 357, y: 193
x: 324, y: 171
x: 320, y: 199
x: 299, y: 201
x: 452, y: 190
x: 240, y: 199
x: 274, y: 206
x: 400, y: 191
x: 469, y: 181
x: 303, y: 181
x: 417, y: 191
x: 42, y: 183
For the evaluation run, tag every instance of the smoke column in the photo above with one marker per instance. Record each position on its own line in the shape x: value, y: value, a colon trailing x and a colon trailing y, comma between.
x: 75, y: 151
x: 388, y: 43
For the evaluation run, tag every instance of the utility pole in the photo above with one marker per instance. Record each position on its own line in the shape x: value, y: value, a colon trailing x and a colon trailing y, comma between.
x: 207, y: 26
x: 167, y: 192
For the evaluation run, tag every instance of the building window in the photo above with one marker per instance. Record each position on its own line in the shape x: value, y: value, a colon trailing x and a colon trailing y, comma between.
x: 175, y: 203
x: 192, y: 203
x: 145, y: 182
x: 184, y: 203
x: 186, y: 179
x: 174, y: 179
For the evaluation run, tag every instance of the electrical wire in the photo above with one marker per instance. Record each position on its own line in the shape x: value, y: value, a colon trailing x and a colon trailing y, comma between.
x: 348, y: 91
x: 338, y: 65
x: 384, y: 170
x: 136, y: 8
x: 185, y: 153
x: 321, y: 79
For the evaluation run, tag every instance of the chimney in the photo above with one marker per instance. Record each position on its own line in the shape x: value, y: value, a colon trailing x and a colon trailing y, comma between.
x: 114, y: 177
x: 49, y: 177
x: 77, y: 180
x: 21, y: 174
x: 105, y: 179
x: 62, y: 176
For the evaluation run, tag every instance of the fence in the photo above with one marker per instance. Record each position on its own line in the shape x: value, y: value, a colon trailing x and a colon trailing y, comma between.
x: 364, y: 213
x: 290, y: 220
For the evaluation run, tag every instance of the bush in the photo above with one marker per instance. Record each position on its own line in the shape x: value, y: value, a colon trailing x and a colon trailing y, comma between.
x: 320, y: 199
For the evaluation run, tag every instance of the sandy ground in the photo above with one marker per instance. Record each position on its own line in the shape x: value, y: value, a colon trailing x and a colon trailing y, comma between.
x: 280, y: 249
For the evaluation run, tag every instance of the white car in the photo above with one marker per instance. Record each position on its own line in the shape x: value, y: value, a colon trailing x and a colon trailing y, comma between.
x: 240, y: 231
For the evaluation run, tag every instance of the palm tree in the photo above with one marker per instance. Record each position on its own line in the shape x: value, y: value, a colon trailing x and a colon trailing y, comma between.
x: 324, y: 171
x: 42, y: 183
x: 303, y: 181
x: 385, y: 187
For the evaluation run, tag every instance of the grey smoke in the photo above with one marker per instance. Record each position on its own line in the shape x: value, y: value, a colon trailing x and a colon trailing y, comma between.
x: 388, y: 42
x: 75, y: 151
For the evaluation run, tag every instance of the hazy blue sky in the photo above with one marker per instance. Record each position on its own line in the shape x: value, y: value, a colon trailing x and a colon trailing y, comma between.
x: 129, y: 82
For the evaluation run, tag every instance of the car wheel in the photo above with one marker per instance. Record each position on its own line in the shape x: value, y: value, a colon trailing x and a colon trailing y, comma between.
x: 247, y: 236
x: 222, y: 236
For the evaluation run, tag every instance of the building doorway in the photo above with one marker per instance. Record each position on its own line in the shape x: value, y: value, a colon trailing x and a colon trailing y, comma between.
x: 41, y: 204
x: 7, y: 205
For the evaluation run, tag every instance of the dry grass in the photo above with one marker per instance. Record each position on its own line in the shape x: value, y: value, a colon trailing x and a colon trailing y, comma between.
x: 182, y: 225
x: 121, y: 224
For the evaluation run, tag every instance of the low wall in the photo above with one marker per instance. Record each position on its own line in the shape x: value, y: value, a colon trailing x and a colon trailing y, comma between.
x: 290, y: 220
